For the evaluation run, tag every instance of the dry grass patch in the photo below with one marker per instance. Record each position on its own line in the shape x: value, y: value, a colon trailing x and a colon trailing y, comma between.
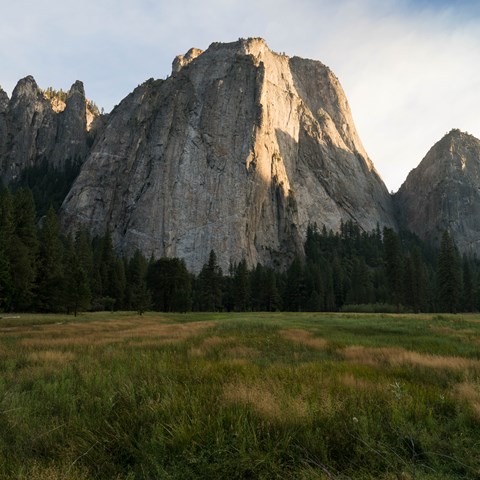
x: 304, y: 337
x: 108, y: 332
x: 268, y: 399
x: 467, y: 392
x: 375, y: 357
x: 351, y: 381
x: 208, y: 344
x: 243, y: 352
x: 51, y: 356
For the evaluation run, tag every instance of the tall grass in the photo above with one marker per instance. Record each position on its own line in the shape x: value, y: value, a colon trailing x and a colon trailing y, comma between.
x: 294, y: 396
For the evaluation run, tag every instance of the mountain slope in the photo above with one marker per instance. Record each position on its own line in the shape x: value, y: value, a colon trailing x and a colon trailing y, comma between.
x: 443, y: 192
x: 238, y: 151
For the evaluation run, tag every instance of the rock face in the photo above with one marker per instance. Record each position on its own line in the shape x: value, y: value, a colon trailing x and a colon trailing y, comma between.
x: 238, y: 151
x: 443, y: 192
x: 34, y: 129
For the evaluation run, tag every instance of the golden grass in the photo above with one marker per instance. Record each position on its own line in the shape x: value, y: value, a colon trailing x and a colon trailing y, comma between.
x: 351, y: 381
x: 136, y: 332
x: 51, y: 356
x: 268, y: 399
x: 304, y: 337
x: 395, y: 356
x: 467, y: 392
x: 242, y: 352
x: 208, y: 344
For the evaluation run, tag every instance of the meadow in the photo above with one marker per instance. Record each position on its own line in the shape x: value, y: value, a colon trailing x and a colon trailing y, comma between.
x: 240, y: 396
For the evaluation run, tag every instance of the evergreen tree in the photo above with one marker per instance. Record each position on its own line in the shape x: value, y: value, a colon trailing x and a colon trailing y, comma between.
x: 393, y: 265
x: 7, y: 228
x: 77, y: 294
x: 210, y: 285
x: 241, y: 287
x: 271, y: 296
x: 448, y: 276
x: 49, y: 285
x: 23, y: 250
x: 138, y: 294
x: 468, y: 300
x: 294, y: 294
x: 170, y: 285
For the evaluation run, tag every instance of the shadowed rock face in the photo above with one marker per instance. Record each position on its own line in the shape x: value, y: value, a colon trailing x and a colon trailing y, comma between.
x: 32, y: 129
x: 238, y: 151
x: 443, y: 192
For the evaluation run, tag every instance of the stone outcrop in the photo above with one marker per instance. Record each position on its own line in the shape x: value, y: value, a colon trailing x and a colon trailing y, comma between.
x: 34, y: 129
x: 443, y: 192
x: 237, y: 151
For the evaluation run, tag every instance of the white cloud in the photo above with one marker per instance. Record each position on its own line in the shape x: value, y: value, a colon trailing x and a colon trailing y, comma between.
x: 410, y: 69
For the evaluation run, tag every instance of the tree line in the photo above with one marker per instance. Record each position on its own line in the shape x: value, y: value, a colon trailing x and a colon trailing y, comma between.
x: 45, y: 271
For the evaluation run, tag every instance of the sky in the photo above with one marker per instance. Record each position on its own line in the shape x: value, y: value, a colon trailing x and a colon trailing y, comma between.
x: 410, y: 68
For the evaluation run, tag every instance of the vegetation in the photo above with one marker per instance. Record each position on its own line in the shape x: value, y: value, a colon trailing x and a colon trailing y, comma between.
x: 273, y: 395
x: 49, y: 185
x: 51, y: 94
x: 351, y: 270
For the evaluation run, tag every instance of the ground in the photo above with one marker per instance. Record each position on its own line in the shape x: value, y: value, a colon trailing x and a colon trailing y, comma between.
x: 294, y: 396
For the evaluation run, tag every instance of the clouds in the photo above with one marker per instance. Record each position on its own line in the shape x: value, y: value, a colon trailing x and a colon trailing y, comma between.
x: 409, y: 67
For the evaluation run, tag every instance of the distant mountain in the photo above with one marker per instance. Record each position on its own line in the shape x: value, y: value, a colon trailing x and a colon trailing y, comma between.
x: 443, y: 192
x: 237, y: 151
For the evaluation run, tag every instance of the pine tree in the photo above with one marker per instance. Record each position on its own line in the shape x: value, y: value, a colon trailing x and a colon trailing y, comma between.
x: 210, y: 285
x: 448, y: 276
x: 170, y: 285
x: 468, y: 298
x: 295, y: 287
x: 241, y: 287
x: 23, y: 250
x: 77, y: 294
x: 6, y: 237
x: 139, y: 296
x: 393, y: 265
x: 49, y: 287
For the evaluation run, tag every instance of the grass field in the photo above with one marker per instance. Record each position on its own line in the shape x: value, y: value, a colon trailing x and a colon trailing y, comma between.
x: 240, y: 396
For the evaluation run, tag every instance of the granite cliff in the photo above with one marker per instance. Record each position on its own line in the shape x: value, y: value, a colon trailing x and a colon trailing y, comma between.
x: 237, y: 151
x: 443, y: 192
x: 34, y: 128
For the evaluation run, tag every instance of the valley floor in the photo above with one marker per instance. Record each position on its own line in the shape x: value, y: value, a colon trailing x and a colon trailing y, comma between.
x: 255, y: 395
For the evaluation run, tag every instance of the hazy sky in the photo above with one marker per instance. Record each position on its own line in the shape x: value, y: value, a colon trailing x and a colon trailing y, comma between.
x: 410, y: 69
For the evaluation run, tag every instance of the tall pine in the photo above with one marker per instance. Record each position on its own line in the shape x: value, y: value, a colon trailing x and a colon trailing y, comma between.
x: 448, y: 276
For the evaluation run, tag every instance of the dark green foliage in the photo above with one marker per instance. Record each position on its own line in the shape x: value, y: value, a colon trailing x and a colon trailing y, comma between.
x: 77, y: 294
x: 23, y: 249
x: 351, y: 269
x: 137, y: 293
x: 49, y: 284
x: 448, y: 276
x: 49, y: 185
x: 295, y: 287
x: 241, y: 291
x: 170, y: 285
x: 209, y: 285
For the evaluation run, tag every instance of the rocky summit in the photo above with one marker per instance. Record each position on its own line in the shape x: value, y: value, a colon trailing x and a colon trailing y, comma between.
x: 34, y: 128
x: 443, y: 193
x: 238, y: 151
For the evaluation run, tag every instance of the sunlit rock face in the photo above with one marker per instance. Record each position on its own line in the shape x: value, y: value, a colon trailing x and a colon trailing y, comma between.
x: 237, y: 151
x: 34, y: 129
x: 443, y: 193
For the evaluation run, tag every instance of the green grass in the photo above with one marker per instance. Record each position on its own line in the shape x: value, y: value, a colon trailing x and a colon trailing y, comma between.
x: 240, y: 396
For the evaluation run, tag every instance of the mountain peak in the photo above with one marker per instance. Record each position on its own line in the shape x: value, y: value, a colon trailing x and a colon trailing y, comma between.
x: 443, y: 192
x: 238, y: 151
x: 26, y: 87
